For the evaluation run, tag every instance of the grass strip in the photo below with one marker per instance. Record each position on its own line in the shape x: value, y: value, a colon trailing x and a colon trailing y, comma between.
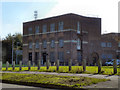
x: 52, y: 81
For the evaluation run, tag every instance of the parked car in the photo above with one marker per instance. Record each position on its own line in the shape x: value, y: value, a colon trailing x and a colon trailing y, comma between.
x: 110, y: 62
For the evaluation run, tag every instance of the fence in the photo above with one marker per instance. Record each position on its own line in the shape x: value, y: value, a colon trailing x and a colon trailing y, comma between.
x: 47, y: 64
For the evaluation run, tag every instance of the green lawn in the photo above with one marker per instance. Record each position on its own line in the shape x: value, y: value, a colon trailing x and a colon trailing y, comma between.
x: 108, y: 70
x: 69, y: 81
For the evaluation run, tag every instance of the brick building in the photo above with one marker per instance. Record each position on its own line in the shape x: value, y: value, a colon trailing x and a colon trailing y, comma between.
x: 65, y: 37
x: 110, y: 46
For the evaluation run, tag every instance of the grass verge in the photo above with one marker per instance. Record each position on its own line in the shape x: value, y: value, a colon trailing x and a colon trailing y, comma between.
x: 50, y: 80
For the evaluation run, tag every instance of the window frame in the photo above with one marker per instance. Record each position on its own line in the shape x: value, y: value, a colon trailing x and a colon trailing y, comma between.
x: 37, y: 28
x: 52, y: 27
x: 44, y: 28
x: 60, y: 26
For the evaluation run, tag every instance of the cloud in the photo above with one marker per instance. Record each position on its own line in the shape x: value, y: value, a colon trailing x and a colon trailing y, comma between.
x: 105, y: 9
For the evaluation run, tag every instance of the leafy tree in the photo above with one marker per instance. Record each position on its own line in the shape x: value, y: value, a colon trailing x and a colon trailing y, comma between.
x: 7, y: 46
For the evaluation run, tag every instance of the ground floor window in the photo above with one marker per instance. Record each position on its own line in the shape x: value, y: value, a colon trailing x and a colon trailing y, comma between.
x: 52, y: 57
x: 61, y: 56
x: 30, y: 56
x: 79, y: 57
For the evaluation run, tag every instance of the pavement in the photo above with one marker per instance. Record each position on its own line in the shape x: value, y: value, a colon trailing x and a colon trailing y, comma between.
x: 113, y: 83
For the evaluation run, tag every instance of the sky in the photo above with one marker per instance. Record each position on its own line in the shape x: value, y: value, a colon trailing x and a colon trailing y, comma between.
x: 14, y: 12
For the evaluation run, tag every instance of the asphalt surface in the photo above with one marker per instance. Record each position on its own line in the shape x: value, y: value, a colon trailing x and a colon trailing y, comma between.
x: 5, y: 85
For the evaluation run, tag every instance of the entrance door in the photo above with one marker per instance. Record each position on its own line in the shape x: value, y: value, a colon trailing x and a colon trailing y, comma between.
x: 36, y: 57
x: 30, y: 56
x: 44, y: 57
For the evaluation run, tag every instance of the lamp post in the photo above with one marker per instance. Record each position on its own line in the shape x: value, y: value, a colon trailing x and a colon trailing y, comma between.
x: 12, y: 47
x: 16, y: 51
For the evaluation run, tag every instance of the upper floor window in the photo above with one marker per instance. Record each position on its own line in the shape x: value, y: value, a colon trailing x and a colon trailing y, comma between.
x: 30, y: 45
x: 52, y: 27
x: 61, y: 43
x: 118, y: 44
x: 78, y: 44
x: 60, y: 26
x: 78, y: 27
x: 36, y: 29
x: 52, y: 43
x: 37, y: 44
x: 109, y: 44
x: 30, y: 30
x: 103, y: 44
x: 44, y: 28
x: 44, y: 44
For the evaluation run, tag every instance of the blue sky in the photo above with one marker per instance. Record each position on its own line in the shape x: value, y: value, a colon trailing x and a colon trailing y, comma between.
x: 15, y: 13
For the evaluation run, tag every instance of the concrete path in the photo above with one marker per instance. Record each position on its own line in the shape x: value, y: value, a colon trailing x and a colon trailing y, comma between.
x: 113, y: 83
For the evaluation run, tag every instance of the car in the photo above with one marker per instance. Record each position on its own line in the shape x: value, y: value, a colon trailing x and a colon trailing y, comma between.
x: 110, y: 62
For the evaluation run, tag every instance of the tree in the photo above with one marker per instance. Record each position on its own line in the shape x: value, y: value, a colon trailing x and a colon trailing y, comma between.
x: 7, y: 46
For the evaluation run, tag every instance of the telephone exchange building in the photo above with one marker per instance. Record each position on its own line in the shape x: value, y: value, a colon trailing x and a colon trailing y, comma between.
x: 65, y: 37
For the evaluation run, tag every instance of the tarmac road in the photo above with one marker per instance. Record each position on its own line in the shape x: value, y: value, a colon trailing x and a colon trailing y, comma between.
x: 5, y: 85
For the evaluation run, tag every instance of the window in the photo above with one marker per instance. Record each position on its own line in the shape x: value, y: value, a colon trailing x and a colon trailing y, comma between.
x: 30, y: 45
x: 52, y: 27
x: 52, y: 43
x: 30, y: 30
x: 36, y: 29
x: 103, y: 44
x: 44, y: 44
x: 78, y: 44
x: 61, y: 56
x: 60, y: 26
x: 109, y: 44
x: 79, y: 56
x: 61, y: 43
x: 118, y: 44
x: 44, y: 28
x: 103, y: 56
x: 30, y: 56
x: 37, y: 44
x: 52, y: 56
x: 78, y: 28
x: 109, y: 56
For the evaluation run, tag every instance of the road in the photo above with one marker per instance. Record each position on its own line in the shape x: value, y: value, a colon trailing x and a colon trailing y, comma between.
x: 5, y: 85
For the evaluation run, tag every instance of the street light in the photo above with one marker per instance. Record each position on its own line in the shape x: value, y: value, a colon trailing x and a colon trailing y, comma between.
x: 16, y: 51
x: 12, y: 47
